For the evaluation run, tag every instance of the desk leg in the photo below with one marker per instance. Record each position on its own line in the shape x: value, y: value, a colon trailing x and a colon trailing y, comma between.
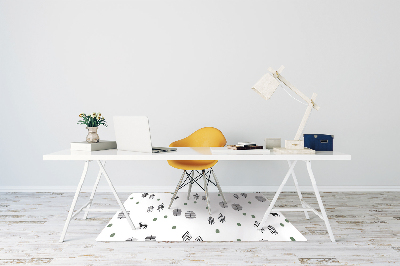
x: 71, y: 210
x: 298, y: 191
x: 93, y: 192
x: 128, y: 218
x: 321, y: 206
x: 271, y: 206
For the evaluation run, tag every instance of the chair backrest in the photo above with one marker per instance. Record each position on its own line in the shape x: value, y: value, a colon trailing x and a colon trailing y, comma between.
x: 204, y: 137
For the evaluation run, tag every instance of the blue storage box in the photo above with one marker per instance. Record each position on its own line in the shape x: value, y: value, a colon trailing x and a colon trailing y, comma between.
x: 318, y: 142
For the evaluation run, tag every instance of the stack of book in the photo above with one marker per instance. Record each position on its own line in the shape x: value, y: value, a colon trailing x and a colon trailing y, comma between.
x: 86, y: 146
x: 245, y: 146
x: 240, y: 149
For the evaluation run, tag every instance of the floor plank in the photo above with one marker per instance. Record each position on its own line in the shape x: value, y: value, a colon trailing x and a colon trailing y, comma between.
x: 366, y: 226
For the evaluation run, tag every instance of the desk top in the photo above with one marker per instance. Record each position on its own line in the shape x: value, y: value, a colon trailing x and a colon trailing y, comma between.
x: 187, y: 153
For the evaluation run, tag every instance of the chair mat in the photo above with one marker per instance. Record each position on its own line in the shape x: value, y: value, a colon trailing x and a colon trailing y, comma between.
x: 189, y: 220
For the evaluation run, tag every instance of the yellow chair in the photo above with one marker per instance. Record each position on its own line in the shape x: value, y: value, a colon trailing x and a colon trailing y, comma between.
x: 204, y: 137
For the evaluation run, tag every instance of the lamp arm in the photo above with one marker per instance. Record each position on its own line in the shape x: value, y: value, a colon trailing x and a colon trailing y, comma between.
x: 311, y: 102
x: 293, y: 88
x: 305, y: 117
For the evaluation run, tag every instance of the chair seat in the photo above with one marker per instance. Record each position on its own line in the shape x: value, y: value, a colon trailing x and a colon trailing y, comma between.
x: 192, y: 164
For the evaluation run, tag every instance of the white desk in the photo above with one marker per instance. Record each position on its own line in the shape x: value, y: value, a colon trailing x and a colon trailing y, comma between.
x: 194, y: 154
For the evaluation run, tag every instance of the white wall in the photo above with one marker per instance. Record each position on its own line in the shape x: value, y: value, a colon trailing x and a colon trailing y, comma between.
x: 190, y: 64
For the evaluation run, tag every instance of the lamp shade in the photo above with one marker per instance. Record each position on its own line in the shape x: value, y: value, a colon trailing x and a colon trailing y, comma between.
x: 266, y: 86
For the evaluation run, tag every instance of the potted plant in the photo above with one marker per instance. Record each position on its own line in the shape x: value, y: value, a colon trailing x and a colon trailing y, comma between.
x: 92, y: 123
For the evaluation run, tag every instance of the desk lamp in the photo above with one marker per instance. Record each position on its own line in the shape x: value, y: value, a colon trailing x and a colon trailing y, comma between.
x: 266, y: 86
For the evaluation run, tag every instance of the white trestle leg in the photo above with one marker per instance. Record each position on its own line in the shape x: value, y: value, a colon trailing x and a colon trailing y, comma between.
x: 71, y: 210
x: 298, y: 191
x: 93, y: 192
x: 128, y: 218
x: 277, y: 195
x: 305, y: 207
x: 321, y: 205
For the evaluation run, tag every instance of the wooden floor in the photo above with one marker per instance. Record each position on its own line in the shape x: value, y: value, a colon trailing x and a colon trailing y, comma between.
x: 366, y: 226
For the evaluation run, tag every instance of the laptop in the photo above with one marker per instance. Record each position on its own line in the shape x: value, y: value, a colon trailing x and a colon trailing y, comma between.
x: 133, y: 134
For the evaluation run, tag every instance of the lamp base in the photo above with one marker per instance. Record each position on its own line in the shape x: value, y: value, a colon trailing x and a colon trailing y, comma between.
x: 294, y: 144
x: 293, y: 151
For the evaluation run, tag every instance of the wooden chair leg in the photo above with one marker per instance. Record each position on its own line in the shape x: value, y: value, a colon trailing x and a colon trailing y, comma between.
x: 177, y: 188
x: 218, y: 186
x: 206, y: 190
x: 190, y: 184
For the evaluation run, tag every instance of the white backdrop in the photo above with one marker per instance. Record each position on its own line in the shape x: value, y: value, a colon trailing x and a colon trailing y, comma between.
x: 190, y: 64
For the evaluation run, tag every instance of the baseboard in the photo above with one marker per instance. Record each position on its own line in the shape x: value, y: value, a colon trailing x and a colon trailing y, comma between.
x: 195, y: 189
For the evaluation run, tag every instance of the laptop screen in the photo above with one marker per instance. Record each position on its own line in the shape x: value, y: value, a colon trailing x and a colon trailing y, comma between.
x: 132, y: 133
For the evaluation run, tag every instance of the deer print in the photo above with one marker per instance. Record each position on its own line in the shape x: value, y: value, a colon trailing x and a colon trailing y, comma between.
x: 142, y: 226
